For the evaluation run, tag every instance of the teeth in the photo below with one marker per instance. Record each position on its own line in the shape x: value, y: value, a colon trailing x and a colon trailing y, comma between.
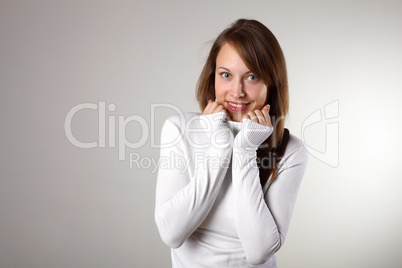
x: 236, y: 105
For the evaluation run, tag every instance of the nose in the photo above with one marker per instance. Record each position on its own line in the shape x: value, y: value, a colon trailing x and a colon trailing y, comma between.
x: 237, y: 89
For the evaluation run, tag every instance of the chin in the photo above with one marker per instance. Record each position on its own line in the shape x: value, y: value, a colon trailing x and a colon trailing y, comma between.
x: 236, y: 119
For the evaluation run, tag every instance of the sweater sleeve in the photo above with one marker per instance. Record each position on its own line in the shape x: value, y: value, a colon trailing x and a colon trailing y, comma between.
x: 182, y: 200
x: 262, y: 221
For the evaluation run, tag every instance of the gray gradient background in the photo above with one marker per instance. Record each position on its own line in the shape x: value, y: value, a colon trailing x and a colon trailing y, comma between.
x: 62, y: 206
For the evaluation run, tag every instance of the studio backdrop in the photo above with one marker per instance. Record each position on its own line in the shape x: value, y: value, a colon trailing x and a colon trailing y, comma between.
x: 87, y: 85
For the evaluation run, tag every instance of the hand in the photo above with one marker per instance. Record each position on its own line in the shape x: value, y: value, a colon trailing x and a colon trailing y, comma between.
x: 260, y: 116
x: 216, y: 116
x: 255, y: 130
x: 214, y: 107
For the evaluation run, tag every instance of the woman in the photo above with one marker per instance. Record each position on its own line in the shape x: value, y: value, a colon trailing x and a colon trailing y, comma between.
x: 232, y: 203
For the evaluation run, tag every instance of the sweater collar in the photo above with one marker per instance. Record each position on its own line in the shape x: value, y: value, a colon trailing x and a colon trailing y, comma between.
x: 234, y: 126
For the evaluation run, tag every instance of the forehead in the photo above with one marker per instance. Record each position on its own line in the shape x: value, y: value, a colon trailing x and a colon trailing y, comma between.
x: 229, y: 58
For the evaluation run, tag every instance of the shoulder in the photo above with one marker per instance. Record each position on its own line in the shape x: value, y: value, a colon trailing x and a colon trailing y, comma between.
x: 182, y: 120
x: 294, y: 143
x: 177, y: 125
x: 174, y: 129
x: 295, y: 153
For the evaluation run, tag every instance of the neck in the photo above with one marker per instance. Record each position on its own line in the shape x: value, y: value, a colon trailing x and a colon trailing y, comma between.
x: 234, y: 126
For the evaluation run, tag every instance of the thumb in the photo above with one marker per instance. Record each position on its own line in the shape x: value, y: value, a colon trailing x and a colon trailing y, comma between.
x: 266, y: 107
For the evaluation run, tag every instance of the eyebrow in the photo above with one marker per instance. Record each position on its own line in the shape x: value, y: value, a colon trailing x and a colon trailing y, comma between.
x: 220, y: 67
x: 224, y: 68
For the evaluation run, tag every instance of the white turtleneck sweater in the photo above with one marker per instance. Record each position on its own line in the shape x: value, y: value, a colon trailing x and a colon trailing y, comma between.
x: 210, y: 206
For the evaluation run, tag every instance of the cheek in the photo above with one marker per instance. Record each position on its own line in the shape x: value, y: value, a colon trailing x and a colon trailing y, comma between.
x: 259, y: 94
x: 219, y: 89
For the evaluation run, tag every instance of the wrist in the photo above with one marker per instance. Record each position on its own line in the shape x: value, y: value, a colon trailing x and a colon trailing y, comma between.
x: 252, y: 135
x: 215, y: 127
x: 215, y: 120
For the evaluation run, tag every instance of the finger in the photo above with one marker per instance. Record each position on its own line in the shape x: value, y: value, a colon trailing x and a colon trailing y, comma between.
x: 266, y: 107
x: 218, y: 109
x: 221, y: 108
x: 206, y: 109
x: 210, y: 107
x: 253, y: 116
x: 260, y: 117
x: 214, y: 105
x: 267, y: 117
x: 245, y: 116
x: 224, y: 110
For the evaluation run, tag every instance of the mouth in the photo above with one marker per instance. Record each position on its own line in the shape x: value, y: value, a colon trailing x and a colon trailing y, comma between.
x: 237, y: 106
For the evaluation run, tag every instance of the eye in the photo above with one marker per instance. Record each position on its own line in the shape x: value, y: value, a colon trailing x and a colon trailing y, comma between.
x: 225, y: 75
x: 252, y: 77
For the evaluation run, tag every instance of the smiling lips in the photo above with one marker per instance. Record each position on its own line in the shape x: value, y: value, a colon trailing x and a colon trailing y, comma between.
x: 237, y: 106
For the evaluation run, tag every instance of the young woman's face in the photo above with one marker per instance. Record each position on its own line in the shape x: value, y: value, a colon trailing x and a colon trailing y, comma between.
x: 236, y: 87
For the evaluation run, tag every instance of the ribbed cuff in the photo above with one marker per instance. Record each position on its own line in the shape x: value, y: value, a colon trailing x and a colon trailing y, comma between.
x: 252, y: 134
x: 217, y: 120
x: 217, y: 130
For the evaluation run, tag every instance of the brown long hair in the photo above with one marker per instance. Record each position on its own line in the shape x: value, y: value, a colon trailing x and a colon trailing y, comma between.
x: 262, y: 54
